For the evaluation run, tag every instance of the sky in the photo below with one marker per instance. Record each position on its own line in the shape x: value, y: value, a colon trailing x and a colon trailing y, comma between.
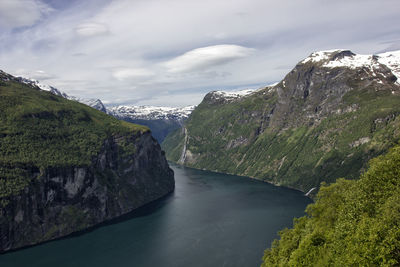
x: 172, y: 52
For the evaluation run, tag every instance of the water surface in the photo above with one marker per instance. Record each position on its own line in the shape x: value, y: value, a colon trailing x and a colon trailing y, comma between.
x: 210, y: 220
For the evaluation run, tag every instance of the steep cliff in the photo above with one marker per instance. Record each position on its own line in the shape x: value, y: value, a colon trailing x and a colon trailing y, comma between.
x: 65, y: 166
x: 328, y: 116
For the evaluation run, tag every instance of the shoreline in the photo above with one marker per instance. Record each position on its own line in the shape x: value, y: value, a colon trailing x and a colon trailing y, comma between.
x: 250, y: 177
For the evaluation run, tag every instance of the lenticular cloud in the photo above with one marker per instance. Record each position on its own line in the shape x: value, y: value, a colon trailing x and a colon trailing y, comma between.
x: 204, y: 57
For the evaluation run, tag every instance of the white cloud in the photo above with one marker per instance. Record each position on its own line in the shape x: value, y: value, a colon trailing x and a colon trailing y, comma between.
x: 91, y: 29
x: 37, y: 75
x: 19, y: 13
x: 206, y: 57
x: 181, y: 100
x: 132, y: 74
x: 41, y: 75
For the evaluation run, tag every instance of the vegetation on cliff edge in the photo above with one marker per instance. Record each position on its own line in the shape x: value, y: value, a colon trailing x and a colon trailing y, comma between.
x: 352, y: 222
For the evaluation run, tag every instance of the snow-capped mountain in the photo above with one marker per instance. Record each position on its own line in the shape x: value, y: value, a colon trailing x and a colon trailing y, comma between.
x: 370, y: 63
x: 228, y: 96
x: 91, y: 102
x: 151, y: 112
x: 44, y: 87
x: 231, y: 95
x: 160, y: 120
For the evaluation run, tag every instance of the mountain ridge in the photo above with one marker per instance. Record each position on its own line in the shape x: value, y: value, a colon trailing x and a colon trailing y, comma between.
x: 150, y: 112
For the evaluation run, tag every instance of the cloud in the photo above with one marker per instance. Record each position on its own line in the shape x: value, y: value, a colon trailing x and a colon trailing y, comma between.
x: 20, y: 13
x: 205, y: 57
x: 132, y: 74
x: 41, y: 75
x: 149, y: 50
x: 91, y: 29
x: 177, y: 100
x: 37, y: 75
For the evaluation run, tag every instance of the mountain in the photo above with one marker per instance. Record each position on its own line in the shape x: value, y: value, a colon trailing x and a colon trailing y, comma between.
x: 36, y: 83
x: 331, y: 114
x: 352, y: 223
x: 160, y: 120
x: 224, y: 96
x: 151, y: 112
x: 91, y: 102
x: 65, y: 167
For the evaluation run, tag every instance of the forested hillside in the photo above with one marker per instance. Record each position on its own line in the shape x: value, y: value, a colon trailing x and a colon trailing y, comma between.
x: 352, y: 223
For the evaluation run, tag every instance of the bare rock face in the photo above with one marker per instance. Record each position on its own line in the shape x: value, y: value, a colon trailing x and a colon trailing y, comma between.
x: 60, y: 201
x: 316, y: 86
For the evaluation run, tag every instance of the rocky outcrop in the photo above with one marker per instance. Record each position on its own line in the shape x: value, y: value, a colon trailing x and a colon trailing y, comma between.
x: 59, y: 201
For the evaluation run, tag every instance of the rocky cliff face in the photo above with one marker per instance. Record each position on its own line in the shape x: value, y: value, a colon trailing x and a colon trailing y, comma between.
x: 65, y: 167
x: 59, y: 201
x: 315, y: 88
x: 324, y: 120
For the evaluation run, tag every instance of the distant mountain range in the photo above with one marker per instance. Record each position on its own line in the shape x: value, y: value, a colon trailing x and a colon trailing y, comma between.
x: 161, y: 120
x: 151, y: 112
x: 331, y: 114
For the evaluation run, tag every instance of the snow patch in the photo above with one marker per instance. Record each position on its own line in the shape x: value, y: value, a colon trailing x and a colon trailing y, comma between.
x: 234, y: 94
x: 321, y: 55
x: 43, y: 87
x: 392, y: 61
x: 389, y: 59
x: 353, y: 61
x: 91, y: 102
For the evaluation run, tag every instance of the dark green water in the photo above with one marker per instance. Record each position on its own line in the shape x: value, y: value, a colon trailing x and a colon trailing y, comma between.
x: 210, y: 220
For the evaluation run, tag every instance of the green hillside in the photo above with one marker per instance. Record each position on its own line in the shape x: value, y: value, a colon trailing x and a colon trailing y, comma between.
x: 352, y: 223
x: 39, y: 130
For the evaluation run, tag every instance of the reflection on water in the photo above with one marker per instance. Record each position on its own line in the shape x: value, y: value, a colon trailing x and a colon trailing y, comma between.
x: 210, y: 220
